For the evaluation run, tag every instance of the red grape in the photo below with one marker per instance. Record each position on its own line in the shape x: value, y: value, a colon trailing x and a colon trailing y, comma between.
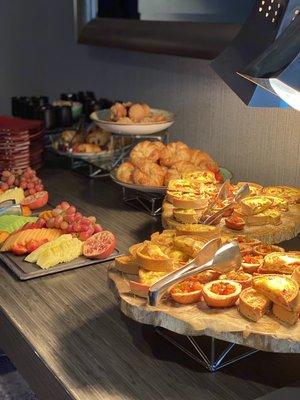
x: 92, y: 219
x: 98, y: 228
x: 71, y: 210
x: 50, y: 222
x: 6, y: 174
x: 64, y: 225
x: 4, y: 186
x: 65, y: 205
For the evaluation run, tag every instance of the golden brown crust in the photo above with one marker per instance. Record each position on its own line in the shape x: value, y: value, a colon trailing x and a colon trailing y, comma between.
x: 252, y: 304
x: 126, y: 264
x: 124, y: 172
x: 213, y: 299
x: 174, y: 152
x: 149, y: 174
x: 145, y: 151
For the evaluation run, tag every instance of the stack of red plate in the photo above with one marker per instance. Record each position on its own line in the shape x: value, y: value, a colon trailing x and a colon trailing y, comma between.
x: 21, y: 143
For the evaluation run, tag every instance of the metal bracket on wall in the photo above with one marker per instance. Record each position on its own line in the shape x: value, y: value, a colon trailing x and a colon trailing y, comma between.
x: 214, y: 360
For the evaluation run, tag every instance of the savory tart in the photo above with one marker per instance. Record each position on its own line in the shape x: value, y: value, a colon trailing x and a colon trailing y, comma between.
x: 166, y: 238
x: 280, y: 289
x: 270, y: 216
x: 221, y: 293
x: 255, y: 205
x: 206, y: 177
x: 243, y: 278
x: 126, y: 264
x: 150, y: 277
x: 264, y: 249
x: 296, y: 275
x: 246, y: 240
x: 235, y: 222
x: 151, y: 257
x: 290, y: 194
x: 208, y: 276
x: 252, y: 304
x: 187, y: 292
x: 139, y: 289
x: 280, y: 263
x: 190, y: 200
x: 188, y: 245
x: 287, y: 316
x: 251, y: 263
x: 198, y: 230
x: 186, y: 216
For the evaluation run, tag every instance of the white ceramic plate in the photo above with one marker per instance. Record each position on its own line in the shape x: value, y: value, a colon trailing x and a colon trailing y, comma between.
x: 140, y: 188
x: 102, y: 119
x: 156, y: 189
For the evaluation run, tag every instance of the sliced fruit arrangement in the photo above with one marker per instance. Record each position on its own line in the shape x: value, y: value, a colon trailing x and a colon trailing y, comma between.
x: 27, y: 180
x: 66, y: 248
x: 55, y: 236
x: 25, y: 187
x: 66, y: 218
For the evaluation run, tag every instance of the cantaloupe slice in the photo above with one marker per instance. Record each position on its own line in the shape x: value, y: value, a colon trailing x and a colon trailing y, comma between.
x: 23, y: 237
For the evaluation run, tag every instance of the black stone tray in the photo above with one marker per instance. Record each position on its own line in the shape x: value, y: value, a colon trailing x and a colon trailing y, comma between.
x: 25, y: 270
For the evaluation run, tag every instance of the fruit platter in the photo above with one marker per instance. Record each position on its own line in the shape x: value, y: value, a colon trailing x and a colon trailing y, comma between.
x: 36, y: 243
x: 256, y: 304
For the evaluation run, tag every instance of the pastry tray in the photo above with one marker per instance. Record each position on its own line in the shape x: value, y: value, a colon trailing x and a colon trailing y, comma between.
x: 25, y: 270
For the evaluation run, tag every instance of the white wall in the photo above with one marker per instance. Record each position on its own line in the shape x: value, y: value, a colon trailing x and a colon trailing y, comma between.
x: 39, y: 56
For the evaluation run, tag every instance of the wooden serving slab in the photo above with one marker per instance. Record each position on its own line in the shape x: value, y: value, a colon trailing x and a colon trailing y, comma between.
x: 25, y: 270
x: 267, y: 334
x: 271, y: 234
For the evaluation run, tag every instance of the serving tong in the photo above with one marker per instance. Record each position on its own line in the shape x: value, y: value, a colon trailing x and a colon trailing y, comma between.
x: 243, y: 192
x: 212, y: 256
x: 9, y: 207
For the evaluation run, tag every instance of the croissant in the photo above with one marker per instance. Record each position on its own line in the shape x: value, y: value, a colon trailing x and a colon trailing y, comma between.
x: 149, y: 174
x: 146, y: 151
x: 173, y: 153
x: 202, y: 160
x: 118, y: 110
x: 137, y: 112
x: 124, y: 172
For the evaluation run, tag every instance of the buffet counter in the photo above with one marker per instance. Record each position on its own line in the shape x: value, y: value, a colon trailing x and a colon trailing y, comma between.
x: 68, y: 339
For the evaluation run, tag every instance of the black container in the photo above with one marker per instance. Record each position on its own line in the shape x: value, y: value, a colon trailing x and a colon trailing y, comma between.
x: 64, y: 115
x: 15, y: 106
x: 48, y: 114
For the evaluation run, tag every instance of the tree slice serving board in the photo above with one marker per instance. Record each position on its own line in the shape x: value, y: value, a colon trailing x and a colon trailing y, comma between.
x: 288, y: 229
x: 267, y: 334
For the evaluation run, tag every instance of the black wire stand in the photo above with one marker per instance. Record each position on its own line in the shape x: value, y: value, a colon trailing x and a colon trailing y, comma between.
x: 151, y: 203
x: 229, y: 353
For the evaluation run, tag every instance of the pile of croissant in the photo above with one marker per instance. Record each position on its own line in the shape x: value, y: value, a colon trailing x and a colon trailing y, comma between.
x: 153, y: 163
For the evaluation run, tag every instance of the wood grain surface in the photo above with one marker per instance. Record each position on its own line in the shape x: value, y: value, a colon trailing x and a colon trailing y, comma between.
x: 198, y: 319
x: 66, y: 334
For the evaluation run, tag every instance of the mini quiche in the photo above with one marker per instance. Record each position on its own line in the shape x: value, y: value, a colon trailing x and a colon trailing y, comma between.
x: 281, y: 289
x: 186, y: 216
x: 221, y: 293
x: 151, y: 257
x: 187, y: 292
x: 255, y: 205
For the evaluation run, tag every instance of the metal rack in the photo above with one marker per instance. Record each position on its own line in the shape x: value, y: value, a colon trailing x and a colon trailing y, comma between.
x: 149, y: 202
x: 193, y: 348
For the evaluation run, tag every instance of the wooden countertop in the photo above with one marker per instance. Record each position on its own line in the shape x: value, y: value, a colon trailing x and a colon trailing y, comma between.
x: 68, y: 338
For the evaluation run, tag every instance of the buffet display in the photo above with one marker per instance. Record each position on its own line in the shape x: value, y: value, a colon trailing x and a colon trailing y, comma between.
x: 57, y: 236
x: 271, y: 213
x: 255, y: 304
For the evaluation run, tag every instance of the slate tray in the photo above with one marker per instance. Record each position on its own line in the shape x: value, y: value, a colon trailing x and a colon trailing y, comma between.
x: 25, y: 270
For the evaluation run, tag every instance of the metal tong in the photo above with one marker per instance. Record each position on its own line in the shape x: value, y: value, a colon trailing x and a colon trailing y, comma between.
x: 244, y: 191
x: 212, y: 256
x: 9, y: 207
x: 222, y: 195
